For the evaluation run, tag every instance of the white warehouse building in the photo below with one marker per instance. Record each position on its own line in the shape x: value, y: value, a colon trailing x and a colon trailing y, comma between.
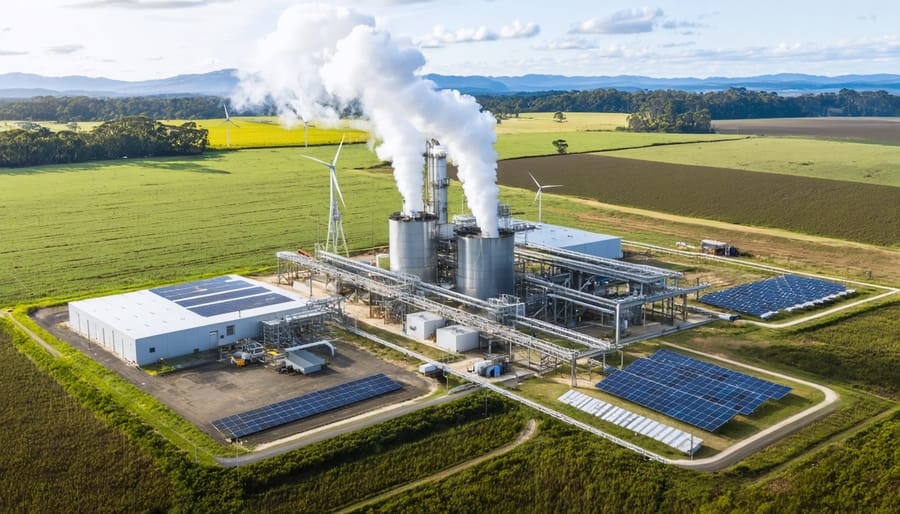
x: 145, y: 326
x: 573, y: 239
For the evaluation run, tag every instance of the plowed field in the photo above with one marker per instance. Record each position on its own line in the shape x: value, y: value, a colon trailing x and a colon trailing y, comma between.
x: 845, y: 210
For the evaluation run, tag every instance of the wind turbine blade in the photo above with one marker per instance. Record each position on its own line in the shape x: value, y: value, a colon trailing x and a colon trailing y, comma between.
x: 535, y: 180
x: 317, y: 160
x: 334, y: 163
x: 337, y: 187
x: 227, y: 117
x: 536, y: 196
x: 552, y: 185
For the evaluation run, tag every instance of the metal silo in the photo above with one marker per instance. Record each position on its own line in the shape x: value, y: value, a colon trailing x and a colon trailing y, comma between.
x: 412, y: 244
x: 486, y: 266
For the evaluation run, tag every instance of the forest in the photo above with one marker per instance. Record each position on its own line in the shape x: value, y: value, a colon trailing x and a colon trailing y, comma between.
x: 733, y: 103
x: 130, y: 136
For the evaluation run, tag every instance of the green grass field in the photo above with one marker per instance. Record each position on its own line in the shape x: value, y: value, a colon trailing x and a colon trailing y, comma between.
x: 855, y: 162
x: 73, y: 229
x: 532, y: 122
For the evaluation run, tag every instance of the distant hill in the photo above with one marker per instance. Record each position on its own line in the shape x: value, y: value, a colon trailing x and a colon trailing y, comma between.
x: 223, y: 82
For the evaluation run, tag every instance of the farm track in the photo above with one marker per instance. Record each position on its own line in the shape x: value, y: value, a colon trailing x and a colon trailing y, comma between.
x: 526, y: 435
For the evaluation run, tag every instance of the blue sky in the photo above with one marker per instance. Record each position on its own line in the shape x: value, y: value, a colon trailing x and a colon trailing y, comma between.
x: 146, y: 39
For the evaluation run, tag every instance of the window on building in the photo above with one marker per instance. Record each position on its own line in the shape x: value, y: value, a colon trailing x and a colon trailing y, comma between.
x: 229, y: 330
x: 152, y: 349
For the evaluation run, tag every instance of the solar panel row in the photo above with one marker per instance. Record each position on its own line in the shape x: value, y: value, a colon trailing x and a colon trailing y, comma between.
x: 671, y: 436
x: 683, y: 407
x: 766, y: 298
x: 200, y: 287
x: 219, y: 297
x: 317, y: 402
x: 690, y: 390
x: 239, y: 304
x: 762, y: 387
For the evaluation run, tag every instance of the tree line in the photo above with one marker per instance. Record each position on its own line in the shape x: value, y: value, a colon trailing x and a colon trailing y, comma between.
x: 130, y: 136
x: 84, y: 108
x: 733, y: 103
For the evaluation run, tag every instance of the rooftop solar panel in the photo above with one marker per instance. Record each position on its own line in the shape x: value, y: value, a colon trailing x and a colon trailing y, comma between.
x: 200, y: 287
x: 219, y: 297
x: 317, y: 402
x: 239, y: 304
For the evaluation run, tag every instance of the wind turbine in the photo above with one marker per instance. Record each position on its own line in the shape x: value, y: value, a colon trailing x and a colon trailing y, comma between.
x: 335, y: 223
x: 539, y: 196
x: 229, y: 123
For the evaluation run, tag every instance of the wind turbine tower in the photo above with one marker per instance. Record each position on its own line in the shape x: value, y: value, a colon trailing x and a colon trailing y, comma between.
x: 539, y: 196
x: 335, y: 222
x: 228, y: 122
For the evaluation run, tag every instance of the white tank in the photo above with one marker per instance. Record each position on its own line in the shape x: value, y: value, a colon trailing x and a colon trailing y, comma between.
x: 486, y: 265
x: 412, y: 245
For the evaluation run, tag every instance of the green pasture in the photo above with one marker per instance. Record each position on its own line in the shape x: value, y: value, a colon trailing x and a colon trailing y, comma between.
x: 531, y: 122
x: 84, y: 228
x: 855, y: 162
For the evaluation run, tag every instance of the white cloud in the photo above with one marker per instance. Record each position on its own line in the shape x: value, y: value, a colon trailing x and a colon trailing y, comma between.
x: 628, y: 21
x: 65, y: 49
x: 10, y: 53
x: 519, y: 30
x: 567, y: 43
x: 440, y: 36
x: 146, y: 4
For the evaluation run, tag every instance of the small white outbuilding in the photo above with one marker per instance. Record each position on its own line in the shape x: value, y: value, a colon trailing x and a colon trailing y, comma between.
x: 457, y: 338
x: 421, y: 325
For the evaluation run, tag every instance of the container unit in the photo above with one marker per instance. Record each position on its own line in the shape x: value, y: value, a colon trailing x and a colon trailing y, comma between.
x: 486, y: 265
x: 457, y: 338
x: 412, y: 245
x: 422, y: 325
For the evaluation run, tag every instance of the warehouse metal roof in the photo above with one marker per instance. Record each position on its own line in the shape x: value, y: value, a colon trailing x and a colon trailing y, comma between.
x: 556, y: 236
x: 195, y: 304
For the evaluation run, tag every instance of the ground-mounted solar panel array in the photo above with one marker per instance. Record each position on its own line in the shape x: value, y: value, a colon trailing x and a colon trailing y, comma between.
x: 767, y: 298
x: 220, y: 295
x: 671, y: 436
x: 689, y: 390
x: 301, y: 407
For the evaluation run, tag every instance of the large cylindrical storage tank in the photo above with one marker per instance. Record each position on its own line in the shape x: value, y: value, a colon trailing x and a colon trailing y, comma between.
x: 412, y: 245
x: 485, y: 265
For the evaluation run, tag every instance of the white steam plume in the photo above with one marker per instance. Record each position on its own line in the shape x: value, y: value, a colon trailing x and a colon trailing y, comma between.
x: 367, y: 65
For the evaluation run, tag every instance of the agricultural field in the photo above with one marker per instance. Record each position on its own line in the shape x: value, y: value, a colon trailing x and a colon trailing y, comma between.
x: 56, y: 456
x: 77, y: 229
x: 267, y: 131
x: 536, y: 122
x: 843, y: 210
x: 814, y: 158
x: 880, y: 130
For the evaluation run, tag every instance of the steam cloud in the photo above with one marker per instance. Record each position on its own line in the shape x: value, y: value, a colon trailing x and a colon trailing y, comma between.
x: 322, y: 57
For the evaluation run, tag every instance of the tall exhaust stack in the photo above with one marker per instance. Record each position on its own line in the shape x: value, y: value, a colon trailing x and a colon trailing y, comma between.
x: 437, y: 182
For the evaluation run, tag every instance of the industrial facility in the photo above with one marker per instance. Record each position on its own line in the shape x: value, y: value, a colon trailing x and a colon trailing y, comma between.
x: 519, y: 289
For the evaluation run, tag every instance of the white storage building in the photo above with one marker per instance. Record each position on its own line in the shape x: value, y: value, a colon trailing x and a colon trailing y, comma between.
x: 421, y: 325
x: 457, y: 338
x: 145, y: 326
x: 576, y: 240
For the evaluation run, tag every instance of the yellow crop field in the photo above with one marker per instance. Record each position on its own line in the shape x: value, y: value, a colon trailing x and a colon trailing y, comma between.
x: 266, y: 131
